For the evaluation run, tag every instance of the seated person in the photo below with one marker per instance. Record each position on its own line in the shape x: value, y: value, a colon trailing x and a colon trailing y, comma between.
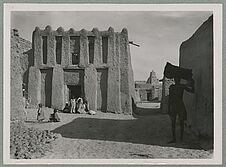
x: 40, y: 112
x: 80, y: 107
x: 66, y: 108
x: 86, y: 103
x: 54, y: 117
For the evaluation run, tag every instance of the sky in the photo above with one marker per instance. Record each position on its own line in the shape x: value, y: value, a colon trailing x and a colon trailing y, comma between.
x: 159, y: 34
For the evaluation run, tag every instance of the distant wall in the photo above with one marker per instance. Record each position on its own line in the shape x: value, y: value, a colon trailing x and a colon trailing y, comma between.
x: 143, y: 85
x: 197, y: 54
x: 149, y: 90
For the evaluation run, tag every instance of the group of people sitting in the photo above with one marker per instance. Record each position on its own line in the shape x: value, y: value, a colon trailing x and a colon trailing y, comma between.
x: 41, y: 116
x: 79, y: 105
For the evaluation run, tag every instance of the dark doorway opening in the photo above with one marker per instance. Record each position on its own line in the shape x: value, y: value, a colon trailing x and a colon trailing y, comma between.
x: 104, y: 49
x: 102, y: 78
x: 46, y: 87
x: 75, y: 49
x: 44, y: 49
x: 149, y: 96
x: 91, y: 49
x: 75, y: 91
x: 58, y: 49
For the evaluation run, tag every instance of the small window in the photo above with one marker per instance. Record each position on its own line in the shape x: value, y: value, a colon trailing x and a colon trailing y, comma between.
x: 104, y: 49
x: 75, y: 49
x: 44, y: 49
x: 58, y: 49
x: 91, y: 49
x: 75, y: 58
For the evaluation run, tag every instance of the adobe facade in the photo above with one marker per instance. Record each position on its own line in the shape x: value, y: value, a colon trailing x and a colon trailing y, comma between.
x: 156, y: 90
x: 196, y: 53
x: 148, y: 90
x: 18, y: 65
x: 93, y: 64
x: 143, y: 91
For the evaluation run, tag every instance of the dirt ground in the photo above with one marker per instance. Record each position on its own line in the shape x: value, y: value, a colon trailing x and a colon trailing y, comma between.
x: 107, y: 135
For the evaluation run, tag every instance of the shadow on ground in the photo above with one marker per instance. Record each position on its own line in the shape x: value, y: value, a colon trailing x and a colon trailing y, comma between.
x: 149, y: 127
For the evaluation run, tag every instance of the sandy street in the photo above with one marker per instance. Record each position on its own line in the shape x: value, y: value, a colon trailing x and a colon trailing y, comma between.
x: 107, y: 135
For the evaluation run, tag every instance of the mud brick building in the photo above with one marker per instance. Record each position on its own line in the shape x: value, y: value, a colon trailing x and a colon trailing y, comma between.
x: 156, y: 90
x: 18, y: 65
x: 148, y: 90
x: 196, y: 53
x: 143, y: 91
x: 93, y: 64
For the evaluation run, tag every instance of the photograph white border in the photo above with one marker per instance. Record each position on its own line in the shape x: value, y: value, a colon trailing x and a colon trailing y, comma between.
x: 217, y: 18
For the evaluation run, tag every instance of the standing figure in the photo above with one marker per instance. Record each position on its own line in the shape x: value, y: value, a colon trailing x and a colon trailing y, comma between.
x: 40, y: 116
x: 176, y: 105
x: 73, y: 105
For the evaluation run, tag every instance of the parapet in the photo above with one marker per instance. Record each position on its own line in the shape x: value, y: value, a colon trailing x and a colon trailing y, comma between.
x: 72, y: 32
x: 72, y: 47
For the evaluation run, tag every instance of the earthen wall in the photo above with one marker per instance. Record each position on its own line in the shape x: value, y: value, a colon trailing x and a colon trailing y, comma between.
x: 18, y: 66
x: 98, y: 61
x: 197, y: 54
